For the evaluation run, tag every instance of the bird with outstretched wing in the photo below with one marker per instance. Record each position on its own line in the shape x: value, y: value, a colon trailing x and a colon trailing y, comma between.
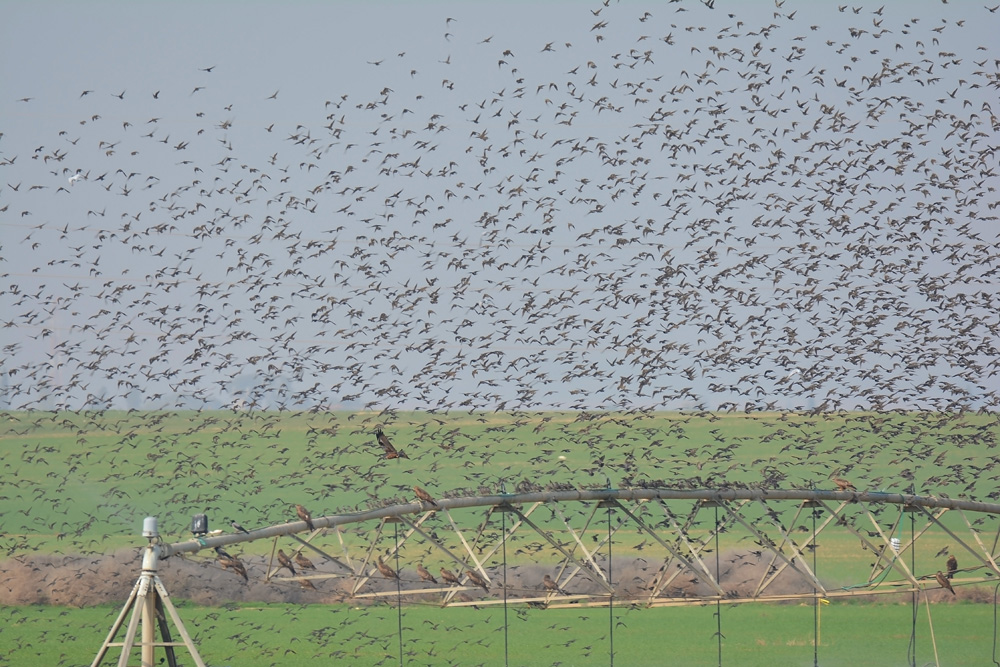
x: 387, y: 447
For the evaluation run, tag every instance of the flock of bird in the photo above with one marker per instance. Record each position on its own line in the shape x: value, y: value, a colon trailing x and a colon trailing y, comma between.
x: 688, y: 207
x: 694, y: 209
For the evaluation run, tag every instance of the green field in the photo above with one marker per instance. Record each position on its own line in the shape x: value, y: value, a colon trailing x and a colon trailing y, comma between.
x: 82, y: 482
x: 754, y: 635
x: 78, y: 485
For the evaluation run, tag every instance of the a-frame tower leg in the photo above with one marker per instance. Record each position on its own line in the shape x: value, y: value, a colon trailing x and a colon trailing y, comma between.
x: 149, y: 604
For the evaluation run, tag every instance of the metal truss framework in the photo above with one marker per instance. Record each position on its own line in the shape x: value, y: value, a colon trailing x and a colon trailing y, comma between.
x: 682, y: 533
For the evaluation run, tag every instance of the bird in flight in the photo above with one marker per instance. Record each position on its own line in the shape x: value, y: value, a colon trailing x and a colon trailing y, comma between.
x: 390, y: 451
x: 304, y: 514
x: 75, y: 177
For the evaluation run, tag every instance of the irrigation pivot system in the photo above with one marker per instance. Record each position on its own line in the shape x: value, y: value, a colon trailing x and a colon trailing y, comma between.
x: 641, y: 547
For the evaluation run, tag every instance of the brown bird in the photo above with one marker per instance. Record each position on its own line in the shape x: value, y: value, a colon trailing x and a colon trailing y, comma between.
x: 304, y: 514
x: 842, y: 484
x: 551, y: 585
x: 390, y: 451
x: 386, y: 571
x: 303, y: 562
x: 449, y: 576
x: 943, y: 581
x: 952, y: 565
x: 306, y: 584
x: 477, y: 580
x: 230, y: 563
x: 424, y: 496
x: 285, y: 561
x: 424, y: 574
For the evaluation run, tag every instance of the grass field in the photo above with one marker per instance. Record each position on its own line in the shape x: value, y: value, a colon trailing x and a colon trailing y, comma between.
x: 82, y: 483
x: 754, y: 635
x: 79, y: 484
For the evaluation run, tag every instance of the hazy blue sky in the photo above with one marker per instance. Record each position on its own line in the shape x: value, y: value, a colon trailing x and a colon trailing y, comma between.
x: 482, y: 205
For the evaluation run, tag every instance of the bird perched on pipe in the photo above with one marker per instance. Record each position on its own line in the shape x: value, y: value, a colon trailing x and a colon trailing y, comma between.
x: 843, y: 484
x: 424, y: 496
x: 304, y: 514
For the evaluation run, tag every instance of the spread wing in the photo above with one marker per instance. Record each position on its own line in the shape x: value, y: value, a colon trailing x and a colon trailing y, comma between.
x: 383, y: 440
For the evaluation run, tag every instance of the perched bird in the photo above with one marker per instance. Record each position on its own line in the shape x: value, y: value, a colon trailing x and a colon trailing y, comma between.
x: 387, y: 448
x: 303, y: 562
x: 943, y: 581
x: 952, y: 565
x: 386, y: 571
x: 424, y: 574
x: 238, y: 528
x: 842, y: 484
x: 230, y: 563
x: 449, y: 576
x: 285, y: 561
x: 306, y: 585
x: 424, y: 496
x: 551, y: 585
x: 304, y: 514
x: 477, y: 580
